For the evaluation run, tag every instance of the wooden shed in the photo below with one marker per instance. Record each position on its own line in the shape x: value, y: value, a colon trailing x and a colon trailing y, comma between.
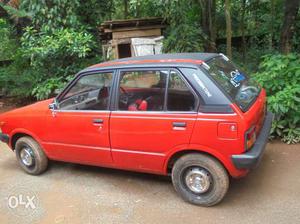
x: 131, y: 37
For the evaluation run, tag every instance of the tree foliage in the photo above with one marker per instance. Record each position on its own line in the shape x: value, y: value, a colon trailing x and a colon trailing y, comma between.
x: 7, y: 43
x: 50, y: 15
x: 57, y: 38
x: 280, y: 76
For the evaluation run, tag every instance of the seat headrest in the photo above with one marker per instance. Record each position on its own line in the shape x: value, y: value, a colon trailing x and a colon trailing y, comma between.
x: 139, y: 104
x: 143, y: 105
x: 132, y: 107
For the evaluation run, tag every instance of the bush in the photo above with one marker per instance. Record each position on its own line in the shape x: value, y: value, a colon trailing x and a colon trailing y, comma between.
x: 7, y: 43
x: 46, y: 61
x: 18, y: 79
x: 280, y: 76
x: 56, y: 50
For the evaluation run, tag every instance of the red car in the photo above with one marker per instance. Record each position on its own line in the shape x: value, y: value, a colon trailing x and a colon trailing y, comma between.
x: 193, y: 116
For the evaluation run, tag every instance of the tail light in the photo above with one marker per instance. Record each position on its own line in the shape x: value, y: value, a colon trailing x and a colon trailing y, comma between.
x: 250, y: 138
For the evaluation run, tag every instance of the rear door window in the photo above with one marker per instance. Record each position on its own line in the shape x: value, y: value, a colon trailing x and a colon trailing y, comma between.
x: 180, y: 97
x: 155, y: 90
x: 142, y: 90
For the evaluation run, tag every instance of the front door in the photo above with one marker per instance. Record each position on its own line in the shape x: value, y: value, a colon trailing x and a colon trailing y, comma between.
x: 156, y: 111
x: 79, y: 130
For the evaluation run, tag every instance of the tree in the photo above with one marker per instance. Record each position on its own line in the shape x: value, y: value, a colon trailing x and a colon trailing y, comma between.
x: 243, y: 30
x: 125, y: 9
x: 208, y: 23
x: 291, y: 10
x: 272, y: 17
x: 228, y: 29
x: 19, y: 18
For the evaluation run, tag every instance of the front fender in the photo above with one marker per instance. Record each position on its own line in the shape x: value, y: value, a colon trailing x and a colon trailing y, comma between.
x: 25, y: 132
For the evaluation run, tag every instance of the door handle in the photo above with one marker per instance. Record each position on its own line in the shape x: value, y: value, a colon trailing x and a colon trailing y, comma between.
x: 98, y: 121
x: 179, y: 124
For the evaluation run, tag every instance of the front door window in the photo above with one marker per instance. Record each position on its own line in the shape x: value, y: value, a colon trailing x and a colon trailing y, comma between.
x: 90, y: 92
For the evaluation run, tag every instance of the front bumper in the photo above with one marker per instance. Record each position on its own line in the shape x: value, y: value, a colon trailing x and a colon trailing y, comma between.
x: 4, y: 138
x: 252, y: 158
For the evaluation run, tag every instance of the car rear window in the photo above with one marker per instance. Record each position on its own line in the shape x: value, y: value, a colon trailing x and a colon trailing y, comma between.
x: 242, y: 89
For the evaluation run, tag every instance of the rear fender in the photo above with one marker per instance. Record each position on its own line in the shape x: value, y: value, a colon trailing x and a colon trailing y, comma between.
x: 224, y: 160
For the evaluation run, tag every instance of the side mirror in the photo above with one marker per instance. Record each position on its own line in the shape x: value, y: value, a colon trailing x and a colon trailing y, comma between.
x: 53, y: 106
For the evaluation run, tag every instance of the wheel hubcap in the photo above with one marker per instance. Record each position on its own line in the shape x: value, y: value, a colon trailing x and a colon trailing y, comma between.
x: 27, y: 157
x: 198, y: 180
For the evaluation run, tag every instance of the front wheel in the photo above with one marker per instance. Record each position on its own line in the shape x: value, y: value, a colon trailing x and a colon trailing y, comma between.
x: 30, y: 156
x: 200, y: 179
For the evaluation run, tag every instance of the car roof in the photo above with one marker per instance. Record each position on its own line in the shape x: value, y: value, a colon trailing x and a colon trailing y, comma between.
x: 178, y: 58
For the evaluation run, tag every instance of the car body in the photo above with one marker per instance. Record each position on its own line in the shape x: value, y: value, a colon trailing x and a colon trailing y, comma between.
x: 146, y: 113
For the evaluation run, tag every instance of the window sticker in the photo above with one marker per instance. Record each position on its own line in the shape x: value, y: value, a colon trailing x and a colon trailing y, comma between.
x: 236, y: 78
x: 201, y: 84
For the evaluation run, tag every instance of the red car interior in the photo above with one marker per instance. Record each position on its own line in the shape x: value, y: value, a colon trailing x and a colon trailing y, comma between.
x: 138, y: 105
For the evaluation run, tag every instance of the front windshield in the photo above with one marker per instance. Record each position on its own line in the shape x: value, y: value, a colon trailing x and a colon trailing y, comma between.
x: 242, y: 89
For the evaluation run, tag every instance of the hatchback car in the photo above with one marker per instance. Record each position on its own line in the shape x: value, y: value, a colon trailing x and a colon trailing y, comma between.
x: 194, y: 116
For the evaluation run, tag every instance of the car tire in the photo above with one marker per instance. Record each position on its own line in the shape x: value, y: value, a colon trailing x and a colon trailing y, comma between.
x: 200, y: 179
x: 30, y: 156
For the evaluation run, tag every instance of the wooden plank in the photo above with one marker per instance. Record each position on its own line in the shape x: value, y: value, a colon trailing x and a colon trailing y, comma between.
x: 133, y: 21
x: 116, y: 24
x: 134, y: 28
x: 136, y: 33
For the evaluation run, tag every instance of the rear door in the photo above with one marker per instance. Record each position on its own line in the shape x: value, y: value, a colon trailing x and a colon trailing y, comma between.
x: 155, y: 113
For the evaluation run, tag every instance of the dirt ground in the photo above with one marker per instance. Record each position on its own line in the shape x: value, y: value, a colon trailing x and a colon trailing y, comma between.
x: 69, y: 193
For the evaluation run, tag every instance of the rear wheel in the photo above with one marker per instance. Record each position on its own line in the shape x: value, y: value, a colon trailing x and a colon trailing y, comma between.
x: 200, y: 179
x: 30, y: 156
